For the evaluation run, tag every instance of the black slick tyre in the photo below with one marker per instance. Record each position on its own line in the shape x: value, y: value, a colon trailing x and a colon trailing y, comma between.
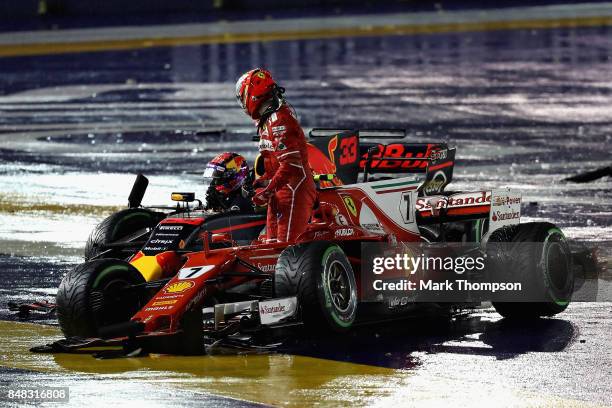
x: 93, y: 295
x: 321, y: 276
x: 538, y: 256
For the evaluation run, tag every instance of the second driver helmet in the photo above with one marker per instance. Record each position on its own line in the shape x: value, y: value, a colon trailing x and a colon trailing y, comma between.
x: 226, y: 174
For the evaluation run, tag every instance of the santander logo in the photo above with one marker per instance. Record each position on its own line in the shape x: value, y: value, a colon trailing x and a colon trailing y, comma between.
x: 498, y: 215
x: 265, y: 309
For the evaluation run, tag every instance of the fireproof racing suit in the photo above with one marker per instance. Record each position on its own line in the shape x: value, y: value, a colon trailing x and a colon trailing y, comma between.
x: 291, y: 189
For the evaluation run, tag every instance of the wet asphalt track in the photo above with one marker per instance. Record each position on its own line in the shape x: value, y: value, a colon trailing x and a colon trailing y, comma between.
x: 525, y: 108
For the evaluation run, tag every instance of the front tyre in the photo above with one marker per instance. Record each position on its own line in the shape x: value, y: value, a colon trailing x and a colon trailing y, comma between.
x: 321, y: 276
x: 92, y: 296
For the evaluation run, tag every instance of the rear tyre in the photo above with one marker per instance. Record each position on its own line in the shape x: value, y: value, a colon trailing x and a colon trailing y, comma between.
x: 117, y: 227
x: 321, y: 276
x: 538, y: 256
x: 91, y: 296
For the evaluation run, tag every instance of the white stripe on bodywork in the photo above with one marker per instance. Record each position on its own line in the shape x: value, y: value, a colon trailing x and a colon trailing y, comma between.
x: 293, y: 196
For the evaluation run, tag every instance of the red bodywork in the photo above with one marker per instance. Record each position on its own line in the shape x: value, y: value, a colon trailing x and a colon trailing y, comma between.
x: 203, y: 274
x: 380, y: 211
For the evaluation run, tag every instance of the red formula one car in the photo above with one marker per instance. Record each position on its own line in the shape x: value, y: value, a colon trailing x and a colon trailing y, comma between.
x: 190, y: 283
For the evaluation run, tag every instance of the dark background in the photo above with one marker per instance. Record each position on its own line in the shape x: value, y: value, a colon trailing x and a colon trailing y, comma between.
x: 33, y: 14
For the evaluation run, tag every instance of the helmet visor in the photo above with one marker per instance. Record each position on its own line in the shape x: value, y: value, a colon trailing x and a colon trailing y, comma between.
x: 215, y: 174
x: 241, y: 86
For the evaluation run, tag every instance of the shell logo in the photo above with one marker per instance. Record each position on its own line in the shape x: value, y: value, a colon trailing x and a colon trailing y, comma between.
x: 179, y: 287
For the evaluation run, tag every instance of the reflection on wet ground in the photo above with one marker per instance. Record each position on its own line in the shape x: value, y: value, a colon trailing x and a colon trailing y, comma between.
x: 481, y: 333
x: 474, y: 357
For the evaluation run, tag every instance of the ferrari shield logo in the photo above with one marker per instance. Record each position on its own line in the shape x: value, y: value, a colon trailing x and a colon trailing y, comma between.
x: 350, y: 205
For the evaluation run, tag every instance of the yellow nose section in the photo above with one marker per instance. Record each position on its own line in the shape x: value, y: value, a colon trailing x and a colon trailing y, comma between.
x: 148, y: 267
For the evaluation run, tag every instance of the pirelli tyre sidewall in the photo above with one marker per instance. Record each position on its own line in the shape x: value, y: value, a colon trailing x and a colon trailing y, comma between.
x: 557, y: 273
x: 322, y: 278
x: 337, y: 284
x: 90, y: 296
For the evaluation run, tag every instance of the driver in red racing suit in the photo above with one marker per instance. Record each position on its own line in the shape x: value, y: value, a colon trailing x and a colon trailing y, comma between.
x: 287, y: 185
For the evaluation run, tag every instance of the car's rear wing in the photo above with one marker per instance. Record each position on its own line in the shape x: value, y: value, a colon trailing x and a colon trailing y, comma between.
x: 499, y: 208
x: 372, y: 151
x: 389, y: 147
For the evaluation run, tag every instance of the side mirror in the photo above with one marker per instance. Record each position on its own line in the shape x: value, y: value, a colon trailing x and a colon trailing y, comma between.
x: 218, y: 238
x: 208, y: 238
x: 184, y: 197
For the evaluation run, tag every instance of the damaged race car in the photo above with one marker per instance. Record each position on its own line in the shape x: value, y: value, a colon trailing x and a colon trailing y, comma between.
x: 193, y: 283
x: 335, y: 155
